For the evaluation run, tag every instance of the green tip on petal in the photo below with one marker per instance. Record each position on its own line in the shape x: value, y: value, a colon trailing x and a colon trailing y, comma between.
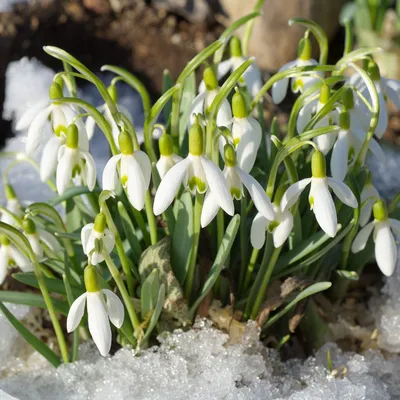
x: 236, y: 47
x: 279, y: 193
x: 92, y: 283
x: 239, y: 107
x: 324, y: 94
x: 210, y: 79
x: 9, y: 191
x: 72, y: 139
x: 304, y: 49
x: 29, y: 226
x: 348, y: 99
x: 229, y: 155
x: 100, y: 223
x: 196, y: 147
x: 125, y: 143
x: 318, y: 165
x: 166, y: 145
x: 112, y: 91
x: 344, y: 119
x: 373, y: 70
x: 55, y: 91
x: 4, y: 240
x: 380, y: 211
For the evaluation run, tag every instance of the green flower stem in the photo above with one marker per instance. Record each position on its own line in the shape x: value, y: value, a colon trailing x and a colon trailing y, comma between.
x: 142, y: 225
x: 393, y: 204
x: 120, y: 248
x: 243, y: 242
x: 249, y: 28
x: 125, y: 295
x: 198, y: 206
x: 220, y: 227
x: 92, y: 199
x: 75, y: 340
x: 250, y: 269
x: 267, y: 268
x: 70, y: 79
x: 151, y: 219
x: 348, y: 44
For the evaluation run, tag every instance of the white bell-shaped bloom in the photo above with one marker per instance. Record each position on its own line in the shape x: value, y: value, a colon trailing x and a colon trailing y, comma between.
x: 204, y: 100
x: 320, y: 198
x: 236, y: 178
x: 246, y: 134
x: 12, y: 206
x: 167, y: 156
x: 280, y: 227
x: 97, y: 231
x: 385, y: 244
x: 11, y: 256
x: 348, y: 146
x: 74, y: 164
x: 60, y: 116
x: 300, y: 83
x: 135, y: 171
x: 103, y: 306
x: 368, y: 196
x: 198, y: 173
x: 324, y: 142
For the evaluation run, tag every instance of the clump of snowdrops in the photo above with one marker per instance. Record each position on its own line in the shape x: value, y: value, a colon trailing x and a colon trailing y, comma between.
x: 213, y: 209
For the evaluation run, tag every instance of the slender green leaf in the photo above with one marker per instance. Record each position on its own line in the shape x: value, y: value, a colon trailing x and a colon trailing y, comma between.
x: 149, y: 293
x: 166, y: 85
x: 157, y: 312
x: 69, y: 194
x: 350, y: 275
x: 188, y: 95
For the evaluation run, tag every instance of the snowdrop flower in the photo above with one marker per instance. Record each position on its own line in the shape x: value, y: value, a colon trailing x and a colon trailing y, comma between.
x: 302, y: 83
x: 74, y: 164
x: 359, y: 113
x: 246, y: 134
x: 251, y: 77
x: 323, y: 142
x: 135, y: 172
x: 198, y: 173
x: 368, y: 196
x: 39, y: 239
x: 348, y: 145
x: 97, y: 231
x: 61, y: 116
x: 105, y: 111
x: 236, y: 177
x: 9, y: 256
x: 167, y: 156
x: 12, y: 206
x: 320, y: 199
x: 204, y: 100
x: 280, y: 226
x: 102, y: 306
x: 385, y: 244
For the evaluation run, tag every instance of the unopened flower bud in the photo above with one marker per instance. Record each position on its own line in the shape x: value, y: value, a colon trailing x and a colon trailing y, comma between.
x: 344, y: 120
x: 210, y: 79
x: 239, y: 106
x: 55, y: 91
x: 9, y: 192
x: 236, y: 47
x: 196, y: 140
x: 304, y: 49
x: 29, y: 226
x: 318, y: 165
x: 91, y: 278
x: 229, y: 155
x: 348, y: 99
x: 100, y: 223
x: 380, y: 211
x: 166, y: 145
x: 125, y: 143
x: 324, y: 94
x: 72, y: 139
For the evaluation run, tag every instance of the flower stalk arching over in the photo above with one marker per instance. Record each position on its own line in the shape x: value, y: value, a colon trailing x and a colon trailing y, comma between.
x: 320, y: 199
x: 12, y: 206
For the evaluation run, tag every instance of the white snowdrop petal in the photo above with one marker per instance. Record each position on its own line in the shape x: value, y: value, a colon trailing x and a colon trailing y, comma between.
x: 115, y: 308
x: 29, y: 115
x: 377, y: 151
x: 392, y: 92
x: 340, y: 156
x: 3, y: 263
x: 89, y: 170
x: 64, y: 170
x: 383, y: 118
x: 385, y: 248
x: 48, y: 162
x: 218, y: 186
x: 257, y: 193
x: 324, y: 142
x: 293, y: 193
x: 224, y: 115
x: 145, y: 165
x: 257, y: 232
x: 20, y: 260
x: 343, y: 192
x: 209, y: 210
x: 85, y: 234
x: 49, y: 240
x: 324, y: 207
x: 197, y: 107
x: 395, y: 224
x: 96, y: 258
x: 224, y: 67
x: 110, y: 176
x: 365, y: 213
x: 90, y: 126
x: 108, y: 240
x: 34, y: 135
x: 135, y: 184
x: 282, y: 231
x: 169, y: 186
x: 305, y: 115
x: 99, y: 326
x: 279, y: 89
x: 75, y: 313
x: 361, y: 238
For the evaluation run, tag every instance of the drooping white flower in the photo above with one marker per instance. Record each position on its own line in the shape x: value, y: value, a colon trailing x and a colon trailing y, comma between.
x: 74, y: 164
x: 385, y: 244
x: 246, y: 134
x: 348, y: 146
x: 324, y: 142
x: 135, y: 171
x: 251, y: 78
x: 198, y: 173
x: 97, y: 231
x: 12, y: 206
x: 236, y: 178
x: 103, y: 306
x: 300, y: 83
x: 320, y: 199
x: 204, y: 100
x: 11, y: 256
x: 61, y: 116
x: 368, y: 196
x: 167, y: 156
